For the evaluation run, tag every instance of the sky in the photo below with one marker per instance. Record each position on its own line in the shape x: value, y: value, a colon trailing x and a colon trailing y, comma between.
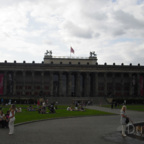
x: 114, y: 29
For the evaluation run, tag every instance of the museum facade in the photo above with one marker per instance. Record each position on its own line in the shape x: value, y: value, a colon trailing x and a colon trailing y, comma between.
x: 64, y: 77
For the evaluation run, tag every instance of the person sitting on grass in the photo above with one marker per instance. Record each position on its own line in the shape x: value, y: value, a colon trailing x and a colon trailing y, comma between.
x: 7, y: 119
x: 39, y: 110
x: 76, y: 105
x: 30, y: 108
x: 69, y: 108
x: 51, y: 108
x: 5, y: 123
x: 81, y: 108
x: 43, y: 110
x: 2, y: 119
x: 19, y: 109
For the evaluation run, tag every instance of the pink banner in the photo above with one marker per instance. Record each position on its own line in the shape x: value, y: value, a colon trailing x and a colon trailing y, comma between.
x: 1, y: 84
x: 141, y: 86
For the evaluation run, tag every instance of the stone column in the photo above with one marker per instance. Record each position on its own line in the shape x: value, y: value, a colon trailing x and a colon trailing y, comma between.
x: 93, y: 84
x: 96, y: 84
x: 130, y: 85
x: 87, y: 85
x: 60, y: 82
x: 33, y: 83
x: 78, y: 84
x: 138, y: 85
x: 105, y: 84
x: 92, y: 80
x: 42, y: 81
x: 5, y: 83
x: 14, y: 83
x: 113, y: 83
x: 122, y: 84
x: 69, y: 84
x: 23, y: 74
x: 51, y: 83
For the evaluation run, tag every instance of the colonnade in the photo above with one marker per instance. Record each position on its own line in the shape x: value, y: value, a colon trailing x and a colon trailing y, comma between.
x: 77, y: 84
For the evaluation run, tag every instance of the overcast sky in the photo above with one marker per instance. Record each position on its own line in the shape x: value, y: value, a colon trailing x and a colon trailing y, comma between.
x: 114, y: 29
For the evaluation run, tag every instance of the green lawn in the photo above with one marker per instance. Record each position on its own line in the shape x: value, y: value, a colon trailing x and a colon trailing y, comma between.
x: 61, y: 112
x: 129, y: 107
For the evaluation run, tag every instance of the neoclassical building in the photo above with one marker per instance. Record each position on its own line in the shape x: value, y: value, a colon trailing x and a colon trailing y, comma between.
x: 65, y: 78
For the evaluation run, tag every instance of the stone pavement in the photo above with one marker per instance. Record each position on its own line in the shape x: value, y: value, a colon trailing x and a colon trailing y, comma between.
x: 135, y: 116
x: 82, y: 130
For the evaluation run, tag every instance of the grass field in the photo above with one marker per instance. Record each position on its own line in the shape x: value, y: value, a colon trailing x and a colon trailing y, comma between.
x: 61, y: 112
x: 129, y: 107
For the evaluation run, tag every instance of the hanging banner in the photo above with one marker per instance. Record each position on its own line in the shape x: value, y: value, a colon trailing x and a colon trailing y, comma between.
x: 141, y: 86
x: 1, y: 84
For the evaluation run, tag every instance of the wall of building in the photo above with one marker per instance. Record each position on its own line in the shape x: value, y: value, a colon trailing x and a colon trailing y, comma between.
x: 70, y: 60
x: 67, y: 80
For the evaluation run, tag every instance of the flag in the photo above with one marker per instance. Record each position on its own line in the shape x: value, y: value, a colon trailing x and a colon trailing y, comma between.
x: 72, y: 50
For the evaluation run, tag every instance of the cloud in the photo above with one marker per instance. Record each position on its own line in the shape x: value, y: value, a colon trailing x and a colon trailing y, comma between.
x: 8, y: 3
x: 113, y: 29
x: 128, y: 20
x: 77, y: 31
x: 118, y: 32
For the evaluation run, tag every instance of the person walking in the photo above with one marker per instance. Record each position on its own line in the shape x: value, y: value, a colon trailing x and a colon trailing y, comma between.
x: 11, y: 120
x: 123, y: 120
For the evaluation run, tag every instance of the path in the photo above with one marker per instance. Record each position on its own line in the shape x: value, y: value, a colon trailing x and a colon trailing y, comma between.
x: 82, y: 130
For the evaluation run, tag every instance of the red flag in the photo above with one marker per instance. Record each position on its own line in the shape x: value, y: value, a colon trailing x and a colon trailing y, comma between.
x: 72, y: 50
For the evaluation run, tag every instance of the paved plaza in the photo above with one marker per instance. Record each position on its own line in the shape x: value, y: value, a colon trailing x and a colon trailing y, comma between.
x: 82, y: 130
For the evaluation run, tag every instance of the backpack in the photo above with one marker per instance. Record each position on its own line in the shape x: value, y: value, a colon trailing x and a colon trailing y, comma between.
x: 127, y: 120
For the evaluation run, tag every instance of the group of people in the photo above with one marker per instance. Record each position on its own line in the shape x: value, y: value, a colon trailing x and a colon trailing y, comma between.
x: 52, y: 107
x: 30, y: 108
x: 18, y: 109
x: 7, y: 120
x: 42, y: 109
x: 114, y: 104
x: 4, y: 119
x: 78, y: 107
